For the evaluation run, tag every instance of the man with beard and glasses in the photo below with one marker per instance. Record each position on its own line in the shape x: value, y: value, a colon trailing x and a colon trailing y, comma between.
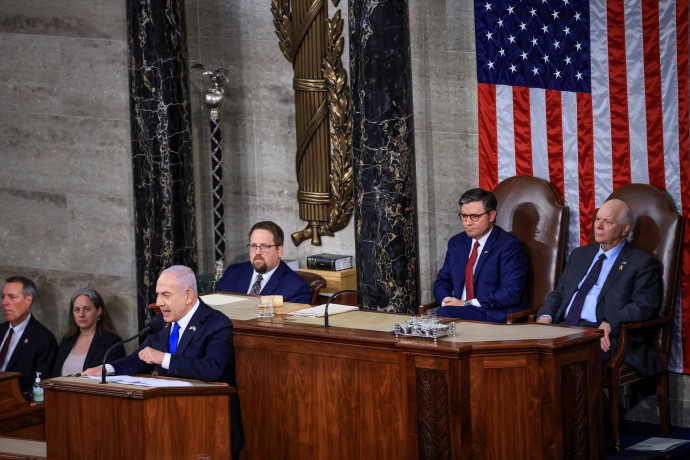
x: 265, y: 273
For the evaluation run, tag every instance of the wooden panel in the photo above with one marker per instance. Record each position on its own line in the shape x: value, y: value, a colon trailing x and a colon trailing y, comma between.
x: 117, y: 427
x: 502, y: 418
x: 336, y: 406
x: 18, y: 419
x: 84, y: 425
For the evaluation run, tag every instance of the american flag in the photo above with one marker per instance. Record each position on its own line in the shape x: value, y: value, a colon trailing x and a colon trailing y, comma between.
x: 590, y: 96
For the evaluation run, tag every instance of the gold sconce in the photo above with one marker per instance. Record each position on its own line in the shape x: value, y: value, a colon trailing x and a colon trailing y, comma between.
x: 313, y: 44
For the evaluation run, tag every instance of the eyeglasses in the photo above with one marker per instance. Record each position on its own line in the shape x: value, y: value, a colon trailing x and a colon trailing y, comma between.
x: 472, y: 217
x: 263, y: 247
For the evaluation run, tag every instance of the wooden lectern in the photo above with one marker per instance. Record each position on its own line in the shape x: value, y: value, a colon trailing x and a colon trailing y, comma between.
x: 87, y: 420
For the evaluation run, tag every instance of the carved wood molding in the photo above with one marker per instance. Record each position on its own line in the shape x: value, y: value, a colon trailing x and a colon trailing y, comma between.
x: 575, y: 410
x: 433, y: 419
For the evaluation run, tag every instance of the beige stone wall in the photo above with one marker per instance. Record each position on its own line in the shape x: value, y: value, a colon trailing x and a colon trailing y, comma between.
x: 66, y: 213
x: 445, y: 112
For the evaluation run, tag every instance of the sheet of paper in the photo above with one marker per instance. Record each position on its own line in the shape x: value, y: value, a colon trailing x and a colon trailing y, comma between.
x: 658, y: 444
x: 144, y: 381
x: 320, y: 310
x: 221, y: 299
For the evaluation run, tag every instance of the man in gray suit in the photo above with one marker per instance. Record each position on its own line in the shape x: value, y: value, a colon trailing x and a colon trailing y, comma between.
x: 609, y: 283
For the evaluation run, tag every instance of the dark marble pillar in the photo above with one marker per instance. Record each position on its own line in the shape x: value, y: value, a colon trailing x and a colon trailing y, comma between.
x: 161, y: 145
x: 383, y: 155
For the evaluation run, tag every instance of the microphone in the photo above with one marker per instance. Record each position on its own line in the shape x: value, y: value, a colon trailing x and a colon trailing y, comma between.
x: 154, y: 326
x: 325, y: 316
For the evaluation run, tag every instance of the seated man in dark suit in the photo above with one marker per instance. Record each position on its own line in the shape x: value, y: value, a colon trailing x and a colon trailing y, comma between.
x: 27, y: 346
x: 266, y: 273
x: 609, y: 283
x: 196, y: 343
x: 484, y: 274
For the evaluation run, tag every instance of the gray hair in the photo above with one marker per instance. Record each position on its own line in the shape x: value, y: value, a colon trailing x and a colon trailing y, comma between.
x: 626, y: 214
x: 184, y: 276
x: 28, y: 286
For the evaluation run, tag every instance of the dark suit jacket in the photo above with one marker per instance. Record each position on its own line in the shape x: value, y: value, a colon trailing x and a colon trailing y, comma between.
x: 284, y: 281
x: 94, y: 357
x: 205, y: 352
x: 35, y: 352
x: 499, y: 278
x: 631, y: 293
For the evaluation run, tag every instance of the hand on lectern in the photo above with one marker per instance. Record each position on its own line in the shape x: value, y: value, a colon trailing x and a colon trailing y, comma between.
x: 92, y: 372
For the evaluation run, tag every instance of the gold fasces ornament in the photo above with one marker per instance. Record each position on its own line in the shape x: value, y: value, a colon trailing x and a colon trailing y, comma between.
x: 314, y: 45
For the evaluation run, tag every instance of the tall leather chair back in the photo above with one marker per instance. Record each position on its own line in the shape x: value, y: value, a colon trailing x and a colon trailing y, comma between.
x: 531, y: 209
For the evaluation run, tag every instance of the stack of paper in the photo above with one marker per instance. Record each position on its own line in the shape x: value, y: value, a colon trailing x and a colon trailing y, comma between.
x: 144, y: 381
x: 221, y: 299
x: 658, y: 444
x: 320, y: 310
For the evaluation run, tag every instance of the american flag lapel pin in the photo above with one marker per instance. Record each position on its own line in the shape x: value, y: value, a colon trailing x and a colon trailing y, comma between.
x: 192, y: 328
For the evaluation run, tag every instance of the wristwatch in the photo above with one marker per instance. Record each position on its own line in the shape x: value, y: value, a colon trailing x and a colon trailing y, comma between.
x: 467, y: 303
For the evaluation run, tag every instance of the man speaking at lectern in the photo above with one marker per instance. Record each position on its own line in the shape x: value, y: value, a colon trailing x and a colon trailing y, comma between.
x: 196, y: 342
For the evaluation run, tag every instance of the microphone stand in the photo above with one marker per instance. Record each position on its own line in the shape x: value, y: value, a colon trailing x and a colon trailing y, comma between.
x: 325, y: 316
x: 146, y: 330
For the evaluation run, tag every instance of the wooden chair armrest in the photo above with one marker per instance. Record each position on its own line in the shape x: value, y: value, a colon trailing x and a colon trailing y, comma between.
x: 428, y: 306
x: 656, y: 322
x: 617, y: 357
x: 528, y: 313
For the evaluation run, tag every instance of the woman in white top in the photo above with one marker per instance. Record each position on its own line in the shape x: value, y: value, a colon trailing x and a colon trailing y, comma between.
x: 90, y: 332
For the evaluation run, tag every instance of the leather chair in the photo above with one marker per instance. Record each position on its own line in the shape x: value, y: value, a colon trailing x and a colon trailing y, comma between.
x: 531, y: 209
x: 315, y: 282
x: 658, y: 230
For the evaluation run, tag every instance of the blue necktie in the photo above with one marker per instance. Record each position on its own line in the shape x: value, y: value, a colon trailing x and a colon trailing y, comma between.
x: 172, y: 342
x: 579, y: 302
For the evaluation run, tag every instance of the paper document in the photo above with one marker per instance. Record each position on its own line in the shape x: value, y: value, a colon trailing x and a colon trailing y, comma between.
x: 144, y: 381
x: 220, y: 299
x: 658, y: 444
x: 320, y: 310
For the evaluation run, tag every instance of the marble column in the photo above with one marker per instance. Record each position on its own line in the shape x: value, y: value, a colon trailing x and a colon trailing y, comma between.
x: 161, y: 143
x: 383, y: 155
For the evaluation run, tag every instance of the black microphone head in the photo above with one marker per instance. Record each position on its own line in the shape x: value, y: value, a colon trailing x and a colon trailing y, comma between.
x: 156, y: 324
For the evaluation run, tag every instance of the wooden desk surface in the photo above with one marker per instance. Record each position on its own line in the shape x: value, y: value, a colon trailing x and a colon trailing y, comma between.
x: 13, y: 448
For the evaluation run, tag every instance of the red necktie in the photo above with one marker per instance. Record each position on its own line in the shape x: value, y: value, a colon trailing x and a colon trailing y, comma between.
x: 5, y: 347
x: 469, y: 273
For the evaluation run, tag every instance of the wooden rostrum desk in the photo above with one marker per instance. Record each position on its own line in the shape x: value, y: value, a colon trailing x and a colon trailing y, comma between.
x: 87, y: 420
x: 355, y: 391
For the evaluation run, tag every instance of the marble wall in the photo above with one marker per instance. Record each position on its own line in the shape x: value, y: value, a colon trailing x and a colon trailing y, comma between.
x: 66, y: 174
